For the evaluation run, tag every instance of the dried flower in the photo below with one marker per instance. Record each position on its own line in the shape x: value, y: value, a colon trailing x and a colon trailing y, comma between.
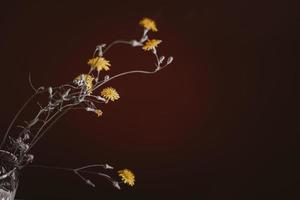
x: 78, y: 95
x: 110, y: 93
x: 87, y: 80
x: 151, y: 44
x: 148, y: 24
x: 98, y: 112
x: 99, y: 63
x: 127, y: 176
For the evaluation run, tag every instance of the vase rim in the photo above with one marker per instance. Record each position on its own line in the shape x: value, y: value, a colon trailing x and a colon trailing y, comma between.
x: 13, y: 169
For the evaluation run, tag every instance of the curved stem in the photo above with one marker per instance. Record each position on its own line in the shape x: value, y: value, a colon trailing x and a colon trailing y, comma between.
x: 39, y: 135
x: 91, y: 166
x: 126, y: 73
x: 77, y: 171
x: 15, y: 118
x: 114, y: 43
x: 47, y: 167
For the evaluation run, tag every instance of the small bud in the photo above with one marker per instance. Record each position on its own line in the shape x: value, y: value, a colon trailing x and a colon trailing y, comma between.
x: 107, y: 166
x: 106, y: 78
x: 100, y: 46
x: 26, y: 136
x: 89, y: 109
x: 3, y: 171
x: 30, y: 158
x: 99, y: 49
x: 66, y: 94
x: 26, y: 147
x: 135, y: 43
x: 170, y: 59
x: 100, y: 98
x: 116, y: 185
x: 81, y: 99
x: 90, y: 183
x: 161, y: 59
x: 50, y: 91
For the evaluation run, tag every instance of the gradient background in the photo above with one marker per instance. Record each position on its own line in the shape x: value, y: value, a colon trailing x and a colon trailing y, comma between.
x: 219, y: 123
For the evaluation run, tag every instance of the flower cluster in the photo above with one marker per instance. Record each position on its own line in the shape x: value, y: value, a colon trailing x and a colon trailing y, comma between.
x: 87, y: 91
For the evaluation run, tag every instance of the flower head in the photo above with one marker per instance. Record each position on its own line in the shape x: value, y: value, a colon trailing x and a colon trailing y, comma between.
x: 110, y: 93
x: 99, y: 63
x: 86, y: 80
x: 151, y: 44
x: 127, y: 176
x: 148, y: 24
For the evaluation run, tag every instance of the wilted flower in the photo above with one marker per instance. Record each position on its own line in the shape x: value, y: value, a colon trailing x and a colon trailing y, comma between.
x: 98, y: 112
x: 99, y: 63
x: 86, y: 80
x: 151, y: 44
x: 127, y: 176
x: 148, y: 24
x: 110, y: 93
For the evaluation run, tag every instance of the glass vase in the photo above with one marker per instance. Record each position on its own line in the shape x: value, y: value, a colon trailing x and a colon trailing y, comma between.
x: 8, y: 175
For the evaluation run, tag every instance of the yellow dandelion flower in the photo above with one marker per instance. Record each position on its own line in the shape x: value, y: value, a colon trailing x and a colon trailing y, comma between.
x: 151, y: 44
x: 127, y: 176
x: 99, y: 63
x: 87, y: 81
x: 98, y: 112
x: 110, y: 93
x: 148, y: 24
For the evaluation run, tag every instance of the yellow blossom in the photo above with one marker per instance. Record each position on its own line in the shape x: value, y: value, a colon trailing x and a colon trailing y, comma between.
x: 87, y: 80
x: 98, y: 112
x: 99, y: 63
x: 110, y: 93
x: 148, y: 24
x: 127, y: 176
x: 151, y: 44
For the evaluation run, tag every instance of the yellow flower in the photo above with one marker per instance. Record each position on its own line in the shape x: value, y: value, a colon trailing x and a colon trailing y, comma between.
x: 98, y: 112
x: 87, y: 81
x: 110, y: 93
x: 127, y: 176
x: 99, y: 63
x: 148, y: 24
x: 151, y: 44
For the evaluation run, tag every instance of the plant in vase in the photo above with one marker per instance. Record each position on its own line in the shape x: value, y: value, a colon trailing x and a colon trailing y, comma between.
x: 87, y: 91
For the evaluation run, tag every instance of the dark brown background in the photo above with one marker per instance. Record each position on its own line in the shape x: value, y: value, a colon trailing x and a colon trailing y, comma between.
x: 219, y: 123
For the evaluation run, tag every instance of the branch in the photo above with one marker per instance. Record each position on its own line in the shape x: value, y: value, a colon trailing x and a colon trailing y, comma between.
x: 83, y: 170
x: 15, y: 118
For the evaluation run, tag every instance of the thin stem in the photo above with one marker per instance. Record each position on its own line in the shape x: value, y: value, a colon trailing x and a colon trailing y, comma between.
x: 38, y: 135
x: 77, y: 171
x: 91, y: 166
x: 126, y: 73
x: 30, y: 83
x: 114, y: 43
x: 15, y: 118
x: 47, y: 167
